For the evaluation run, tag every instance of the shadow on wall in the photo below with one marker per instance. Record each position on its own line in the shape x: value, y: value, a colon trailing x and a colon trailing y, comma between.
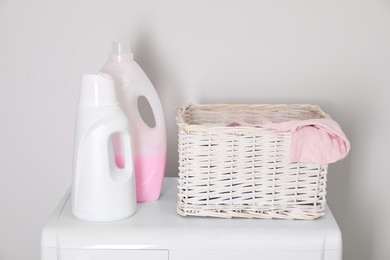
x: 351, y: 213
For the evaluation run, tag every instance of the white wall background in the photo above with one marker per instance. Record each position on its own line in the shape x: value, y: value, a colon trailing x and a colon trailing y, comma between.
x: 333, y: 53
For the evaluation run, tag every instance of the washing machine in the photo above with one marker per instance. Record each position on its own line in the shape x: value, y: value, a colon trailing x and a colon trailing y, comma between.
x: 157, y: 232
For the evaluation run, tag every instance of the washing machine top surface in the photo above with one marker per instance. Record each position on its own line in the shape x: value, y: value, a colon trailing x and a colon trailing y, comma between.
x: 156, y: 225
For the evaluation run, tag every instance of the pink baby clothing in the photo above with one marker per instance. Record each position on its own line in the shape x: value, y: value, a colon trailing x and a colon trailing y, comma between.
x: 319, y: 141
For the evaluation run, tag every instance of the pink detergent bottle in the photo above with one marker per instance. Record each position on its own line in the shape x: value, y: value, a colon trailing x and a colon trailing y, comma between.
x: 149, y: 143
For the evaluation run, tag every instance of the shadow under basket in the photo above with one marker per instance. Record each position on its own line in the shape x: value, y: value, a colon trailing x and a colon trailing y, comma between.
x: 229, y: 167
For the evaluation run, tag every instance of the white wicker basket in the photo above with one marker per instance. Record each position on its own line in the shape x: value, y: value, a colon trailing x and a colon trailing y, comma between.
x: 244, y: 171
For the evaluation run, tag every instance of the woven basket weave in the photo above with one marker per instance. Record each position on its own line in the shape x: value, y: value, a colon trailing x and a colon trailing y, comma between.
x: 242, y: 170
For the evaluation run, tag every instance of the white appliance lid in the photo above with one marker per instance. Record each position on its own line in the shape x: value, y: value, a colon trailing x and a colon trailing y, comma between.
x: 156, y: 225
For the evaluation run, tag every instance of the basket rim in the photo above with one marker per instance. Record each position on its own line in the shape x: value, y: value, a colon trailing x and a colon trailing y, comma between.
x: 182, y: 110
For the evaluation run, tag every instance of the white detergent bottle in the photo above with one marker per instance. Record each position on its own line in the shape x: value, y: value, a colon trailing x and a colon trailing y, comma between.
x: 103, y: 185
x: 149, y: 142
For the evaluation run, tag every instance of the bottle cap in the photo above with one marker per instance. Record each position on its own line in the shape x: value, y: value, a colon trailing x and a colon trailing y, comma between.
x: 121, y: 52
x: 97, y: 90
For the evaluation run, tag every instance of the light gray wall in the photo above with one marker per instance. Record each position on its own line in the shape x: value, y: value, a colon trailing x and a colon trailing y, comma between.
x: 333, y: 53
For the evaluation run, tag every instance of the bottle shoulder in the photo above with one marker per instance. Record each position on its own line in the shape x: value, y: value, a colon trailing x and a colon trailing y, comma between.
x: 129, y: 76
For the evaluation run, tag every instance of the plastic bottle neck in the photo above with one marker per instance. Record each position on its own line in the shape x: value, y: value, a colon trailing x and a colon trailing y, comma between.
x: 123, y: 58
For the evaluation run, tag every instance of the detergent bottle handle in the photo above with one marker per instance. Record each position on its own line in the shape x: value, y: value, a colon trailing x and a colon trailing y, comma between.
x: 116, y: 139
x: 160, y: 128
x: 120, y: 152
x: 157, y: 109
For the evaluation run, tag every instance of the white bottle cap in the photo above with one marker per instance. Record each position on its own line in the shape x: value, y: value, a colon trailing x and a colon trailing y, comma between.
x: 97, y: 90
x: 121, y: 52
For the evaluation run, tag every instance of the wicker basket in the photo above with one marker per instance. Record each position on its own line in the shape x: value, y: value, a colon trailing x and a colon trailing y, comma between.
x: 244, y: 171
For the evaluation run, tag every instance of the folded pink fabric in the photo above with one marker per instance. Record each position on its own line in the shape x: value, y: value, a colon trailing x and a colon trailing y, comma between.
x: 319, y: 141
